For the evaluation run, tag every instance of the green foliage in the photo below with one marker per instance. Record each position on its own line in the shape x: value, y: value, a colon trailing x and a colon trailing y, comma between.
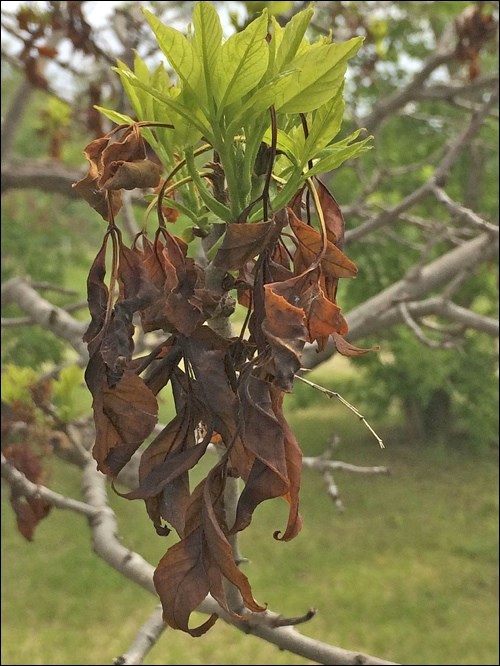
x: 70, y: 399
x: 16, y: 382
x: 223, y: 92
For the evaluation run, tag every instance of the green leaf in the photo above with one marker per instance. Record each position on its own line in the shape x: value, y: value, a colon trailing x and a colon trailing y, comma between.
x: 191, y: 116
x: 292, y: 36
x: 324, y: 126
x: 243, y: 62
x: 178, y: 50
x: 207, y: 41
x: 333, y: 156
x: 114, y: 116
x: 319, y: 73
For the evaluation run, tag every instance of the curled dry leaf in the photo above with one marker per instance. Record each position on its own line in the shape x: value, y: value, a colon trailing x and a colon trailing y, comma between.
x: 29, y: 511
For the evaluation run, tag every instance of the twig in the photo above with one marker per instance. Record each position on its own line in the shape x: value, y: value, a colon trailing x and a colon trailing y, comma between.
x: 420, y: 335
x: 461, y: 211
x: 334, y: 394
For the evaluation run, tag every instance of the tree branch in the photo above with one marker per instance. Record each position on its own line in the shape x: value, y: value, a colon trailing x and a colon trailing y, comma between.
x: 382, y: 311
x: 147, y: 636
x: 51, y: 317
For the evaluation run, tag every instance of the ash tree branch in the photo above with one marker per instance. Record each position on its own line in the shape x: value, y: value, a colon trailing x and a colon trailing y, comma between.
x: 47, y: 315
x: 381, y: 311
x: 46, y: 175
x: 18, y: 481
x: 147, y: 636
x: 455, y: 148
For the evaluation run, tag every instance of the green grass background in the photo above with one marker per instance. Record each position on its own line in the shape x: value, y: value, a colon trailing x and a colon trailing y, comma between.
x: 409, y: 572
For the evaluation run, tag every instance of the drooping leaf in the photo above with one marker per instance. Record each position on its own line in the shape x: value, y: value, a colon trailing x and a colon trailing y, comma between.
x: 130, y: 175
x: 29, y: 511
x: 241, y: 243
x: 293, y: 456
x: 285, y: 330
x: 262, y: 435
x: 97, y: 295
x: 322, y: 316
x: 181, y: 583
x: 347, y: 349
x: 333, y: 263
x: 334, y: 220
x: 125, y: 416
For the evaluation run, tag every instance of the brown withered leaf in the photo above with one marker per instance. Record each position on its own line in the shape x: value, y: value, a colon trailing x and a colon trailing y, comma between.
x: 334, y: 220
x: 293, y: 456
x: 241, y: 243
x: 107, y: 205
x: 334, y: 263
x: 322, y: 316
x: 198, y: 564
x: 285, y: 329
x: 181, y: 582
x: 263, y: 437
x: 125, y: 416
x: 221, y: 557
x: 129, y: 175
x: 130, y: 148
x: 207, y: 353
x: 97, y: 295
x: 347, y: 349
x: 29, y: 511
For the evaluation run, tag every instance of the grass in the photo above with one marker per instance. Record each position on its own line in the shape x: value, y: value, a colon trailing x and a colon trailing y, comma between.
x: 409, y: 572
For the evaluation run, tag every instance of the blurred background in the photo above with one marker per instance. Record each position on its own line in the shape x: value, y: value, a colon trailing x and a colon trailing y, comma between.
x: 405, y: 565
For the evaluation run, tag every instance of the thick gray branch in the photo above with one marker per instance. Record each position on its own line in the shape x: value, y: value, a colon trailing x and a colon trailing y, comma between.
x: 49, y: 316
x: 382, y: 311
x: 18, y: 480
x: 145, y: 639
x: 49, y: 176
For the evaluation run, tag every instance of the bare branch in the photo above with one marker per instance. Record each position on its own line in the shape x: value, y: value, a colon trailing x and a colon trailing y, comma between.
x: 29, y: 489
x: 461, y: 211
x: 401, y: 97
x: 51, y: 317
x: 321, y: 464
x: 147, y: 636
x: 7, y: 322
x: 48, y: 175
x: 420, y: 335
x: 381, y: 311
x: 334, y: 394
x: 13, y: 117
x: 440, y: 175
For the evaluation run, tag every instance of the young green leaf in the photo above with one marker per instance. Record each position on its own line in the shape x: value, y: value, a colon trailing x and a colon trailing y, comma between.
x: 207, y: 41
x: 243, y: 62
x: 333, y: 156
x: 178, y: 50
x: 324, y: 126
x: 319, y: 73
x: 291, y: 37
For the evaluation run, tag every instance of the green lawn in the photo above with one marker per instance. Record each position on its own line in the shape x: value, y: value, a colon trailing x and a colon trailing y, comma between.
x: 409, y: 572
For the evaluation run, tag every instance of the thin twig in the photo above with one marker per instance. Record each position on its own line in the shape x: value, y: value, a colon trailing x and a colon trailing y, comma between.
x: 334, y: 394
